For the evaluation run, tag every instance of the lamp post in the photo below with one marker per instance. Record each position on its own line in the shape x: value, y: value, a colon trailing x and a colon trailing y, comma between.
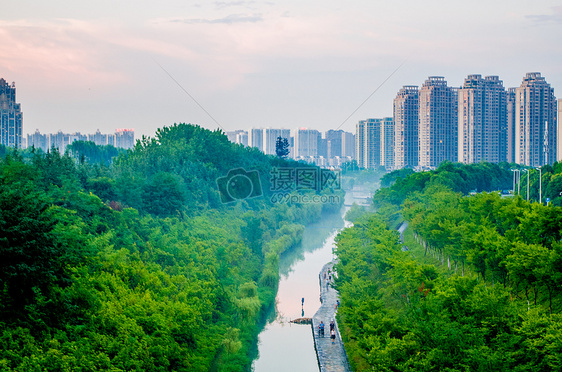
x: 513, y: 170
x: 528, y: 183
x: 527, y: 170
x: 540, y: 185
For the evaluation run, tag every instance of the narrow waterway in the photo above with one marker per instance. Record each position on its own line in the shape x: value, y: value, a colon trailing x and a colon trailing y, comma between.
x: 284, y: 346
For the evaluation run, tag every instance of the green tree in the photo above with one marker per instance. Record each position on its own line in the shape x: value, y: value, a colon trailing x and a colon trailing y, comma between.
x: 282, y: 147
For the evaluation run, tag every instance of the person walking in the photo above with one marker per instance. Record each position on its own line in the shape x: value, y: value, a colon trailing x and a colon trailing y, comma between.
x: 333, y: 336
x: 321, y: 329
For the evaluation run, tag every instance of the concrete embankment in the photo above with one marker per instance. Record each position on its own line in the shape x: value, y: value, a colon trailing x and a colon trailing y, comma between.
x: 331, y: 356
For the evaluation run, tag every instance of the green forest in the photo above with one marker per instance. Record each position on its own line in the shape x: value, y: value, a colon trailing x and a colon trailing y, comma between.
x: 475, y: 284
x: 134, y: 261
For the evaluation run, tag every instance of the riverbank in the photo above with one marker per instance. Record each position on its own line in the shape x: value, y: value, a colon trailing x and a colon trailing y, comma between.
x: 331, y: 354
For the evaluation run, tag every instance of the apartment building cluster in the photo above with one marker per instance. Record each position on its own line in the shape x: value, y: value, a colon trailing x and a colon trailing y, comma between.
x: 122, y: 138
x: 11, y: 129
x: 329, y: 149
x: 479, y: 121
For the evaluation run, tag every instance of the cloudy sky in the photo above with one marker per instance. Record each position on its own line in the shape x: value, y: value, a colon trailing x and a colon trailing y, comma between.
x: 106, y: 64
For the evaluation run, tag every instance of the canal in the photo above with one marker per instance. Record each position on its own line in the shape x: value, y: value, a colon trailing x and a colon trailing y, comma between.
x: 285, y: 346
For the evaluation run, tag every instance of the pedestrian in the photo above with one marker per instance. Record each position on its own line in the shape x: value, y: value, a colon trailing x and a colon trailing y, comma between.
x: 332, y: 326
x: 321, y: 329
x: 333, y: 336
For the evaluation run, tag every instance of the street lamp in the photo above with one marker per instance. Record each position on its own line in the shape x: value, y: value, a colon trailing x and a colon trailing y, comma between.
x: 540, y: 185
x: 527, y: 170
x: 516, y: 180
x: 513, y: 170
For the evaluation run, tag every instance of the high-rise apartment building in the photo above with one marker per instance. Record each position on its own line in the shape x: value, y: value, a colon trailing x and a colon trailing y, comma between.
x: 406, y: 121
x: 375, y: 143
x: 238, y: 136
x: 438, y: 123
x: 559, y: 137
x: 360, y: 143
x: 510, y: 123
x: 255, y: 138
x: 535, y: 122
x: 125, y: 138
x: 306, y: 143
x: 11, y: 117
x: 348, y: 145
x: 368, y: 146
x: 387, y: 143
x: 270, y: 136
x: 482, y: 120
x: 334, y: 140
x: 61, y: 140
x: 98, y: 138
x: 38, y: 141
x: 242, y: 138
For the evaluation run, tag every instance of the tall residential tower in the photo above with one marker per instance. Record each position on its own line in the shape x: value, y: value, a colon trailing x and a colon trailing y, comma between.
x: 11, y: 121
x: 438, y: 125
x: 482, y: 120
x: 406, y: 117
x: 535, y: 122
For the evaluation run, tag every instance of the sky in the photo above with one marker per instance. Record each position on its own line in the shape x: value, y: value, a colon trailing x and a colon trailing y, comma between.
x: 82, y: 65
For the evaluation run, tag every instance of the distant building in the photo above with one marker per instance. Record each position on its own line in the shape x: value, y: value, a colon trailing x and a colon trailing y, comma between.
x: 406, y: 118
x: 270, y: 136
x: 125, y: 138
x: 322, y: 146
x: 242, y: 138
x: 306, y: 143
x: 559, y: 138
x: 38, y: 141
x: 387, y: 144
x: 510, y: 123
x: 11, y: 117
x: 98, y: 138
x: 482, y: 120
x: 255, y: 138
x: 238, y: 136
x: 438, y: 123
x: 232, y: 136
x: 348, y: 145
x: 375, y: 143
x: 535, y: 122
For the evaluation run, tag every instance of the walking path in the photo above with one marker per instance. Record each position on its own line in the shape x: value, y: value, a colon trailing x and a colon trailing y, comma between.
x: 331, y: 357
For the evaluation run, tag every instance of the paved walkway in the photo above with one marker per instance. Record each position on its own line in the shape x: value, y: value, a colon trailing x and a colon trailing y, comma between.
x: 331, y: 357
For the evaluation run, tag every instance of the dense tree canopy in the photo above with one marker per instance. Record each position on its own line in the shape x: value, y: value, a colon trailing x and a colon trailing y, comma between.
x: 135, y: 263
x: 476, y: 284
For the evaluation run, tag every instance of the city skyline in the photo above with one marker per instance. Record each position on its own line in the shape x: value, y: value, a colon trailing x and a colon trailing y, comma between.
x: 251, y: 64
